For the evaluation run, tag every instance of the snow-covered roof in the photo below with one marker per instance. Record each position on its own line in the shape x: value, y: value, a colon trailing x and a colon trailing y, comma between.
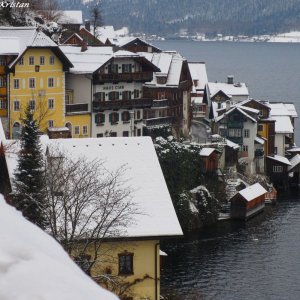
x: 70, y: 17
x: 294, y: 149
x: 9, y: 46
x: 38, y: 264
x: 143, y: 174
x: 170, y: 64
x: 239, y: 89
x: 259, y: 140
x: 253, y: 191
x: 20, y: 38
x: 89, y: 61
x: 280, y: 159
x: 283, y: 124
x: 240, y: 109
x: 295, y: 161
x: 283, y: 109
x: 232, y: 145
x: 199, y: 74
x: 207, y: 151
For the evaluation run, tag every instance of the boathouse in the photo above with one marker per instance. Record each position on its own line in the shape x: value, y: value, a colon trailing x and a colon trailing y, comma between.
x: 248, y: 202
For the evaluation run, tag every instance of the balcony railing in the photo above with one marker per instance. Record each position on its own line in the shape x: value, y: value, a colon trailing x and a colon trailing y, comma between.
x: 136, y: 76
x: 77, y: 108
x: 160, y: 103
x: 159, y: 121
x: 124, y: 104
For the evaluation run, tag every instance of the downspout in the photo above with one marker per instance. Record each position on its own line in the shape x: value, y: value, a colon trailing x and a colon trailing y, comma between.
x: 156, y: 248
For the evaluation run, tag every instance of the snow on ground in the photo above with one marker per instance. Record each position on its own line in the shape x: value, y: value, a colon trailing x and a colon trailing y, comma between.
x: 33, y: 266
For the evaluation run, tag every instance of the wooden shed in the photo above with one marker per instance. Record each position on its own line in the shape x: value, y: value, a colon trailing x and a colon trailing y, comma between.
x: 248, y: 202
x: 210, y: 157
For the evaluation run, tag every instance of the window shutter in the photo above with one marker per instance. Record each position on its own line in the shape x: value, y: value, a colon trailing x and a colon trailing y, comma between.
x: 110, y: 117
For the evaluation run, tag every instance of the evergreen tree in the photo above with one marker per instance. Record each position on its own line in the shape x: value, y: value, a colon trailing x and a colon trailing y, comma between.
x: 29, y: 180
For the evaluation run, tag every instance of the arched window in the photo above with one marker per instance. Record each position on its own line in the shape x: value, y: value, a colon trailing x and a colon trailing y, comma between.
x: 16, y: 131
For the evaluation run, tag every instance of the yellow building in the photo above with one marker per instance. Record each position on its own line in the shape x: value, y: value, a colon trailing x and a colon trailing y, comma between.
x: 36, y: 77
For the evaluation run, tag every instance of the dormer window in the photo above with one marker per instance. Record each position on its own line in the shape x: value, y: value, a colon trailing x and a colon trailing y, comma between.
x: 161, y: 79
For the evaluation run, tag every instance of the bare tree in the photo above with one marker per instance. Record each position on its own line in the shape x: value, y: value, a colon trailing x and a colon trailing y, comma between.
x: 96, y: 17
x: 86, y: 204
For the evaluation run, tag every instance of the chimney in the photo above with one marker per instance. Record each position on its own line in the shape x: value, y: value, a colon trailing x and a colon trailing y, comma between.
x: 87, y: 25
x: 84, y: 46
x: 230, y: 79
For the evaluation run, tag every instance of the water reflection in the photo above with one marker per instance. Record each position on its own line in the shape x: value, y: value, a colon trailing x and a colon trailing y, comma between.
x: 259, y: 259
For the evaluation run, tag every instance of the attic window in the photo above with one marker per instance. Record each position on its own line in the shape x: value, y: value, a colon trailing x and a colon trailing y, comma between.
x: 161, y: 80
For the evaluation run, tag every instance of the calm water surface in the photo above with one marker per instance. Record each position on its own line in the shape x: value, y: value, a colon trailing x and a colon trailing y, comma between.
x: 259, y: 259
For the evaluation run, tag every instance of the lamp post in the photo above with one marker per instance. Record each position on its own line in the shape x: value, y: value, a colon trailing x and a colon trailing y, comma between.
x: 131, y: 123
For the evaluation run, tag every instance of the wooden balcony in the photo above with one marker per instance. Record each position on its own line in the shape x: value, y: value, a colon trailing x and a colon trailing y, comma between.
x: 122, y: 104
x: 136, y: 76
x: 159, y: 121
x: 160, y: 103
x: 77, y: 108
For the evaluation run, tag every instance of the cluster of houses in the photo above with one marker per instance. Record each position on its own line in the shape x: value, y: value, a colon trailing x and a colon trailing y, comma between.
x: 87, y: 88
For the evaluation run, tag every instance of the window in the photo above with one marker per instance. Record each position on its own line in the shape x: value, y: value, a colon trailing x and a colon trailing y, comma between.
x: 245, y: 148
x: 100, y: 118
x: 51, y: 103
x: 260, y: 127
x: 84, y: 129
x: 125, y: 133
x: 3, y: 104
x: 113, y: 68
x: 126, y: 264
x: 16, y: 105
x: 76, y: 130
x: 31, y: 60
x: 235, y: 132
x: 138, y: 115
x: 275, y: 150
x: 16, y: 84
x: 114, y: 118
x: 42, y: 60
x: 277, y: 169
x: 100, y: 96
x: 126, y: 95
x: 21, y: 61
x: 2, y: 81
x: 32, y: 83
x: 136, y: 94
x: 50, y: 82
x: 261, y: 113
x: 113, y: 96
x: 50, y: 123
x: 2, y: 61
x: 125, y: 116
x: 126, y: 68
x: 113, y: 134
x: 51, y: 60
x: 99, y: 135
x: 246, y: 133
x: 32, y: 104
x: 161, y: 80
x: 139, y: 132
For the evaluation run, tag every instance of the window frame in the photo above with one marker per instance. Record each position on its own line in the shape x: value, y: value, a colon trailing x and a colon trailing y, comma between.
x: 16, y: 84
x: 50, y: 123
x: 16, y: 104
x: 30, y: 81
x: 52, y: 60
x: 42, y: 60
x: 277, y: 169
x: 125, y: 271
x: 84, y: 129
x: 51, y: 101
x: 246, y: 133
x: 32, y: 104
x: 31, y: 60
x: 77, y: 129
x: 50, y: 79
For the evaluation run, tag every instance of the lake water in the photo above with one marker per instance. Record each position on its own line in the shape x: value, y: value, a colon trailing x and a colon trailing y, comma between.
x: 259, y: 259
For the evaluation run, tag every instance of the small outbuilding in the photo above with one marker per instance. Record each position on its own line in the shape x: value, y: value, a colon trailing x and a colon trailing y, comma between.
x: 210, y: 157
x: 248, y: 202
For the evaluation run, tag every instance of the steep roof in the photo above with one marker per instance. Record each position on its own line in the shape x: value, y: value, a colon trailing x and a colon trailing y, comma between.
x: 283, y: 109
x: 170, y: 65
x: 143, y: 173
x: 29, y: 37
x: 89, y: 61
x: 283, y: 124
x: 295, y: 161
x: 253, y: 191
x: 207, y: 151
x: 39, y: 264
x: 239, y: 89
x: 280, y: 159
x: 198, y: 73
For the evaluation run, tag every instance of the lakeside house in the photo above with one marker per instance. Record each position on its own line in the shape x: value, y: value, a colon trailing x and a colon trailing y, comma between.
x: 135, y: 251
x: 248, y: 202
x: 32, y: 73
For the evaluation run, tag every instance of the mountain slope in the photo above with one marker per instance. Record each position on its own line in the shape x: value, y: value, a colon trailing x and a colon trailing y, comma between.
x: 208, y: 16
